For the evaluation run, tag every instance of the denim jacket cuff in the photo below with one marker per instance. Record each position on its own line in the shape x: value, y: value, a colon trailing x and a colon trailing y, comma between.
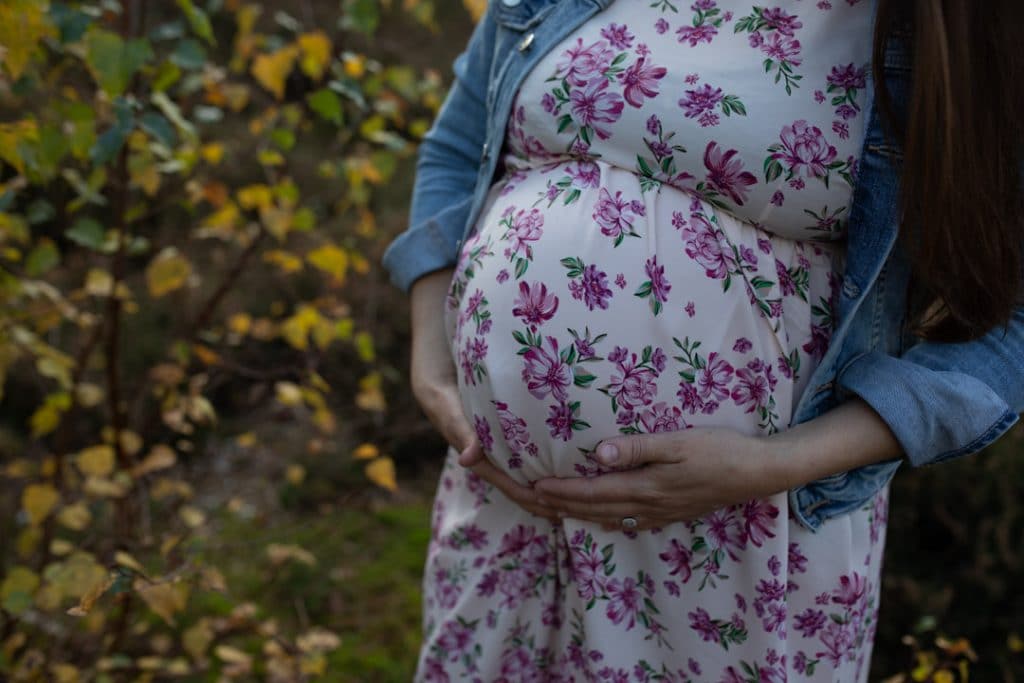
x: 935, y: 415
x: 419, y: 250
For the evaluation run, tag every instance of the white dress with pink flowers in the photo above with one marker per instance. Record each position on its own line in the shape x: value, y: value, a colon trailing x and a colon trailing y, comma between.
x: 660, y: 253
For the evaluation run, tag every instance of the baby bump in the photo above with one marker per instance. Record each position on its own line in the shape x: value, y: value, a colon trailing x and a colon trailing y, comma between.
x: 576, y: 317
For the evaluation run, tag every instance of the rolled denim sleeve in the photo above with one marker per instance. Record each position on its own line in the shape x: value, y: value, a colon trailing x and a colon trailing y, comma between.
x: 944, y: 401
x: 447, y: 166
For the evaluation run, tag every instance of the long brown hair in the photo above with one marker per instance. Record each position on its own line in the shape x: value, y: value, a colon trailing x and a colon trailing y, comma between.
x: 961, y: 196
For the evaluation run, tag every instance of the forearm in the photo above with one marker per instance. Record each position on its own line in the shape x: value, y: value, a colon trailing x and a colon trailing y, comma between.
x: 849, y: 436
x: 426, y: 307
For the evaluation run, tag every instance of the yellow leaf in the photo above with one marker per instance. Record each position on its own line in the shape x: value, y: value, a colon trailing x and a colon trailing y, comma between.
x: 197, y: 638
x: 288, y: 393
x: 246, y: 440
x: 233, y: 655
x: 944, y: 677
x: 89, y: 394
x: 167, y: 272
x: 165, y: 599
x: 101, y: 487
x: 255, y: 197
x: 295, y: 474
x: 354, y: 65
x: 47, y: 416
x: 277, y: 221
x: 381, y: 471
x: 75, y: 576
x: 212, y: 153
x: 75, y: 517
x: 271, y: 70
x: 143, y: 173
x: 1015, y: 643
x: 97, y: 461
x: 475, y: 8
x: 193, y: 517
x: 90, y: 597
x: 160, y: 457
x: 17, y: 589
x: 318, y: 640
x: 14, y: 134
x: 279, y: 553
x: 64, y: 673
x: 237, y: 95
x: 23, y: 25
x: 205, y: 354
x: 125, y: 560
x: 99, y: 282
x: 365, y: 451
x: 370, y: 396
x: 331, y: 259
x: 60, y: 546
x: 38, y: 500
x: 286, y: 261
x: 316, y: 53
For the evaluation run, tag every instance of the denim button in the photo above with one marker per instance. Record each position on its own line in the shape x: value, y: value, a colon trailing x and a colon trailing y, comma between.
x: 850, y: 289
x: 511, y: 3
x: 526, y: 43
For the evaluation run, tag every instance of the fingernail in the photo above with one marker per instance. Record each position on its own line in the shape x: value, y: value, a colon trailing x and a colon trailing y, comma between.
x: 608, y: 453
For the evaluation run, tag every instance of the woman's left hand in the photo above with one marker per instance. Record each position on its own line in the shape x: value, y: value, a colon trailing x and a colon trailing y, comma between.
x: 669, y: 477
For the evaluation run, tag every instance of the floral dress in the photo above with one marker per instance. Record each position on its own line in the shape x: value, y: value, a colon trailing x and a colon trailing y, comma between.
x: 661, y: 252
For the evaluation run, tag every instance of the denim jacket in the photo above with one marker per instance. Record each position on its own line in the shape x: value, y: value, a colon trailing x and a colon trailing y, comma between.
x: 940, y: 400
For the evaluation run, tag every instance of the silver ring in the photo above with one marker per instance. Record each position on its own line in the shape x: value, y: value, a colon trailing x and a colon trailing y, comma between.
x: 629, y: 523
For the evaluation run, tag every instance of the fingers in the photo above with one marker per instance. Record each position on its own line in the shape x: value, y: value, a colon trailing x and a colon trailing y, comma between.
x: 473, y: 454
x: 636, y: 450
x: 634, y: 486
x: 516, y: 492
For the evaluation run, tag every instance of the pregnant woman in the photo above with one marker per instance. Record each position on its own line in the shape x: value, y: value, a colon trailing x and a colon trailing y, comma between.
x: 645, y: 285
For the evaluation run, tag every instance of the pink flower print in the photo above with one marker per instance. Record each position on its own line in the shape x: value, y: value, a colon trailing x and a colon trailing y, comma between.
x: 848, y: 76
x: 547, y: 102
x: 726, y: 175
x: 805, y: 150
x: 755, y: 40
x: 818, y: 344
x: 483, y: 432
x: 782, y: 49
x: 615, y: 215
x: 513, y: 427
x: 819, y: 96
x: 837, y: 639
x: 620, y: 281
x: 455, y: 637
x: 784, y: 23
x: 841, y: 129
x: 560, y: 420
x: 851, y: 590
x: 502, y: 275
x: 623, y: 601
x: 662, y: 417
x: 695, y: 35
x: 700, y: 621
x: 775, y: 621
x: 725, y: 532
x: 593, y: 104
x: 797, y: 560
x: 632, y: 386
x: 519, y: 665
x: 778, y: 198
x: 661, y: 26
x: 525, y: 228
x: 702, y: 245
x: 544, y: 371
x: 592, y: 288
x: 846, y: 112
x: 678, y: 558
x: 535, y: 305
x: 657, y: 285
x: 641, y: 80
x: 758, y: 520
x: 809, y: 622
x: 690, y: 308
x: 742, y: 345
x: 751, y: 389
x: 581, y: 64
x: 619, y: 36
x: 703, y: 99
x: 584, y: 175
x: 588, y: 573
x: 713, y: 378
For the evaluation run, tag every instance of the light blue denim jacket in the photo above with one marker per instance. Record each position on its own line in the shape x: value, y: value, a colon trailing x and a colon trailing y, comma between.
x: 940, y: 400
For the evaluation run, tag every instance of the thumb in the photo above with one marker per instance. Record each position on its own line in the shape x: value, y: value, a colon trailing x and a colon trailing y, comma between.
x: 472, y: 454
x: 636, y: 450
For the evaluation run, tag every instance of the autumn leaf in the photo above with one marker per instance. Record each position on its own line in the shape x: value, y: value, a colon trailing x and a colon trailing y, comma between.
x: 17, y: 588
x: 38, y: 500
x: 167, y: 272
x: 279, y: 553
x: 271, y: 70
x: 331, y: 259
x: 23, y: 24
x: 365, y: 451
x: 370, y: 396
x: 381, y: 471
x: 165, y: 598
x: 96, y: 461
x: 160, y: 457
x: 316, y: 53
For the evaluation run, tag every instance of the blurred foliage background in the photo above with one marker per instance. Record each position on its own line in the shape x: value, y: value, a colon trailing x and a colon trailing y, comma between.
x: 211, y: 467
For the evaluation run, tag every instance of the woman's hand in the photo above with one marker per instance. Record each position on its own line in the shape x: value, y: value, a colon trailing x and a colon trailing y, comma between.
x: 435, y: 386
x: 668, y: 477
x: 681, y: 476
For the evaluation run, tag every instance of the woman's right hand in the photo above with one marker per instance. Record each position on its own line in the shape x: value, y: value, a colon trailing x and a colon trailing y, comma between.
x: 435, y: 386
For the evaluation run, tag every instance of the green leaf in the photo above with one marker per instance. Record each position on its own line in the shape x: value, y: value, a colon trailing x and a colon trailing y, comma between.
x: 327, y: 104
x: 198, y: 20
x: 158, y: 127
x: 42, y: 258
x: 360, y: 15
x: 189, y: 54
x: 87, y: 232
x: 111, y: 142
x: 112, y: 61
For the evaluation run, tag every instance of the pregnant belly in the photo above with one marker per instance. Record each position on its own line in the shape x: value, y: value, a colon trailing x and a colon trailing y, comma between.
x: 592, y: 311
